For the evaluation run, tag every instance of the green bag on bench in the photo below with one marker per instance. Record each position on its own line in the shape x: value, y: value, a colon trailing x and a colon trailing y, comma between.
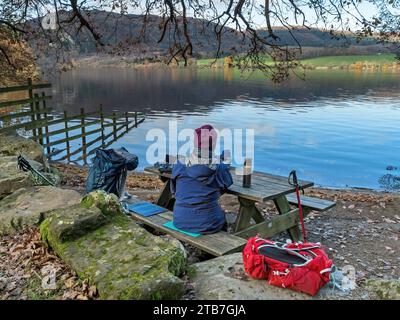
x: 170, y: 225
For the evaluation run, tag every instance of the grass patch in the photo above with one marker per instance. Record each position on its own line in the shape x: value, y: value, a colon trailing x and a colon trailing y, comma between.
x: 348, y: 60
x: 328, y: 61
x: 34, y: 291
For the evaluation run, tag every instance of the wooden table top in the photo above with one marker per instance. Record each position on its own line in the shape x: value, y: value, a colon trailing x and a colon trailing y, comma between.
x: 264, y: 186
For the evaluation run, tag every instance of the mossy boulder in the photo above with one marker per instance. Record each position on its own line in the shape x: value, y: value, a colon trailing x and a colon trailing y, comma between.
x: 384, y: 289
x: 28, y: 207
x: 14, y: 145
x: 74, y: 222
x: 108, y: 203
x: 122, y: 259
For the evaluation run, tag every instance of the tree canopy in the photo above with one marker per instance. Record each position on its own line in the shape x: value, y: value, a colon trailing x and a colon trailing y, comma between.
x: 253, y: 22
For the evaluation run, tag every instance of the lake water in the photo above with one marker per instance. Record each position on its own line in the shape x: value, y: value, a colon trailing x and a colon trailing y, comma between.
x: 338, y: 129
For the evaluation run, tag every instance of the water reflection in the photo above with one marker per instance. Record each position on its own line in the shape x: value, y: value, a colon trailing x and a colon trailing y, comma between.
x: 158, y: 90
x: 338, y: 129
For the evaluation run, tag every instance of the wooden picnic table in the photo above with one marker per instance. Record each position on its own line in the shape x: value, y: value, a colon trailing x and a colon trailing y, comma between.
x: 264, y: 187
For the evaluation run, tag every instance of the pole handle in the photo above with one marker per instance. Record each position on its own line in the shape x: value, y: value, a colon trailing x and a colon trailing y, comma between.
x: 292, y: 179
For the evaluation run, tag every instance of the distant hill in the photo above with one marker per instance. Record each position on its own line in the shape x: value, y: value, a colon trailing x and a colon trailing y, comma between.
x: 316, y: 38
x: 123, y: 31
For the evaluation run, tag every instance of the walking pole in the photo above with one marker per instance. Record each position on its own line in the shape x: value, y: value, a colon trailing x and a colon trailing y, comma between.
x: 24, y: 165
x: 293, y: 181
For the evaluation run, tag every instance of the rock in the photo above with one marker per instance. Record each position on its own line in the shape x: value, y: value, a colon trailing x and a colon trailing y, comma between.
x: 384, y: 289
x: 120, y: 258
x: 106, y: 202
x: 28, y: 207
x: 14, y: 145
x: 175, y: 242
x: 75, y: 221
x: 224, y: 278
x: 11, y: 178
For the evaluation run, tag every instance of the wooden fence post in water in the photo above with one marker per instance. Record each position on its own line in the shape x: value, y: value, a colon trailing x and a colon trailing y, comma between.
x: 136, y: 119
x: 127, y: 121
x: 83, y: 135
x: 115, y: 125
x: 102, y: 126
x: 32, y: 106
x: 38, y: 118
x: 46, y: 125
x: 67, y: 137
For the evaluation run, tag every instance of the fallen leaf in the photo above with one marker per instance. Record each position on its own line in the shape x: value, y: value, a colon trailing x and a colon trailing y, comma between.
x: 69, y: 283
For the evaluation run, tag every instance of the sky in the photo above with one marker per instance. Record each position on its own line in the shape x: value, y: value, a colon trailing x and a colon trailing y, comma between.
x: 365, y: 7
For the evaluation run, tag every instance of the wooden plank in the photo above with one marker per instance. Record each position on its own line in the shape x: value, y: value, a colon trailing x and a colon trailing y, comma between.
x: 273, y: 226
x: 38, y: 116
x: 25, y: 87
x: 236, y: 189
x: 69, y: 154
x: 217, y: 244
x: 53, y: 143
x: 102, y: 125
x: 79, y: 150
x: 236, y: 241
x: 58, y: 121
x: 266, y: 186
x: 83, y: 135
x: 79, y: 126
x: 23, y: 114
x: 267, y: 177
x: 42, y: 123
x: 258, y: 182
x: 283, y: 207
x: 259, y: 196
x: 89, y: 144
x: 310, y: 202
x: 25, y: 125
x: 54, y: 153
x: 46, y: 129
x: 103, y: 138
x: 67, y: 136
x: 247, y: 212
x: 258, y: 192
x: 55, y: 132
x: 31, y: 105
x: 23, y: 101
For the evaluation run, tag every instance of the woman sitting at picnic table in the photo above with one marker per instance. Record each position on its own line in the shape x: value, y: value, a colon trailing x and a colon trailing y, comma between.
x: 198, y: 182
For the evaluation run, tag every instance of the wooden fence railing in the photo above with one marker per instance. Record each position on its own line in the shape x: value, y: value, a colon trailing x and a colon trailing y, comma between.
x: 57, y: 132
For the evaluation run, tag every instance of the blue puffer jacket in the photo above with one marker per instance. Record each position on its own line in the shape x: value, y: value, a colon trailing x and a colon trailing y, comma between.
x: 197, y: 189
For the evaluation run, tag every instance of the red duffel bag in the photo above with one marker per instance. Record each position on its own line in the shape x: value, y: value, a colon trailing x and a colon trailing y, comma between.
x: 303, y: 267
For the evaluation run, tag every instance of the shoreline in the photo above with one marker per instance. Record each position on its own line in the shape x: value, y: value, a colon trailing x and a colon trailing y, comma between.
x: 316, y: 186
x: 385, y: 63
x: 360, y: 231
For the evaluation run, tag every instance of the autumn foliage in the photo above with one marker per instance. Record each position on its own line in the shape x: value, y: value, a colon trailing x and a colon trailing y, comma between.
x: 16, y: 60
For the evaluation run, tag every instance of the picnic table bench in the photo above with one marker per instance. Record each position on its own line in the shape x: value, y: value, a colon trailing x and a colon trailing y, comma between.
x: 249, y: 221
